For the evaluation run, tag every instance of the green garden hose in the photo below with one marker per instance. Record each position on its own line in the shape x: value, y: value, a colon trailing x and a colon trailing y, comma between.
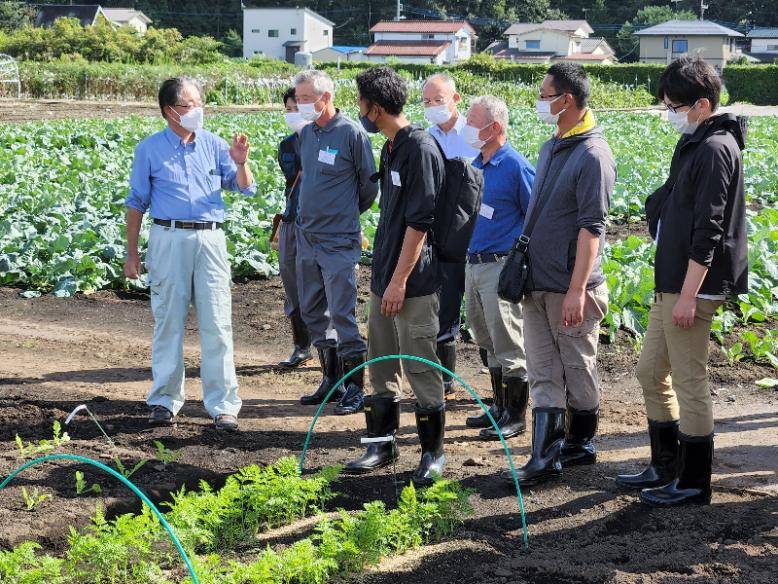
x: 127, y: 483
x: 525, y: 531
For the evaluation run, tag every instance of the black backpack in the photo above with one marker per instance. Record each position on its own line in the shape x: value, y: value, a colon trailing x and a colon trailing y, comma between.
x: 456, y: 211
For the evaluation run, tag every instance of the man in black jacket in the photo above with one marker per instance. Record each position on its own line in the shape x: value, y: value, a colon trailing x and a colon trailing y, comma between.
x: 698, y: 220
x: 404, y: 286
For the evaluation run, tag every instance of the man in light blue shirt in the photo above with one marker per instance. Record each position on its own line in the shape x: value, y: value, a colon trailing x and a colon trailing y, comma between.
x: 440, y: 100
x: 178, y: 175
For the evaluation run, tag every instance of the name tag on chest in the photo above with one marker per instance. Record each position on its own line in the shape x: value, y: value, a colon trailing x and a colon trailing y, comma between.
x: 486, y: 211
x: 395, y: 178
x: 328, y: 156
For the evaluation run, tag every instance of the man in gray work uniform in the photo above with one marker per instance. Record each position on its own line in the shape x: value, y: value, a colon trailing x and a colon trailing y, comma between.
x: 337, y: 164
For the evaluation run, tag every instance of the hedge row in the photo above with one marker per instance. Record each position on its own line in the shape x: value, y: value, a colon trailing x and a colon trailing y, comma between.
x: 757, y: 84
x: 635, y: 75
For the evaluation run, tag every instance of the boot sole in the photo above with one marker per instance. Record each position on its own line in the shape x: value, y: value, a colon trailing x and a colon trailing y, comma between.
x: 288, y: 365
x: 495, y: 437
x: 334, y: 399
x: 362, y: 470
x: 691, y: 501
x: 341, y: 412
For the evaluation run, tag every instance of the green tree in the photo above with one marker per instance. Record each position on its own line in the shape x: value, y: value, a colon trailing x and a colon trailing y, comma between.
x: 15, y: 15
x: 627, y: 44
x: 232, y: 45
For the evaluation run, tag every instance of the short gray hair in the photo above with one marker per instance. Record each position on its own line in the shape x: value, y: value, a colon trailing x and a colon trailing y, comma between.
x: 319, y: 80
x: 445, y: 78
x: 494, y: 107
x: 171, y: 90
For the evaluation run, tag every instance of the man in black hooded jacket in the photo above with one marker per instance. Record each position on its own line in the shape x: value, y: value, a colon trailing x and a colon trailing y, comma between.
x: 698, y: 221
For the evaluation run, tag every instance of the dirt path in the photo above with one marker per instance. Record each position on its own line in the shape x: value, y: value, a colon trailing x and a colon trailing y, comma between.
x: 58, y: 353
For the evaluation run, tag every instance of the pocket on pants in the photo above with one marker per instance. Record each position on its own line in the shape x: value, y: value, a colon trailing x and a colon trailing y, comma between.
x: 578, y: 345
x: 423, y: 338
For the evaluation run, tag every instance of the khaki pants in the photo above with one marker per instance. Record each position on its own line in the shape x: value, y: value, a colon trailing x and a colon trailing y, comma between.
x: 562, y: 361
x: 412, y: 332
x: 496, y: 323
x: 684, y: 353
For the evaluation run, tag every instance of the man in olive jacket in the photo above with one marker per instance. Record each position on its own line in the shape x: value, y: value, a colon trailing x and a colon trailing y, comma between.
x: 698, y: 220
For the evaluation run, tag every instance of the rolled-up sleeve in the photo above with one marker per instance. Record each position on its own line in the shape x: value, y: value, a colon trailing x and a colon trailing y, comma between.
x: 229, y: 172
x: 139, y: 196
x: 594, y: 188
x: 714, y: 175
x: 425, y: 180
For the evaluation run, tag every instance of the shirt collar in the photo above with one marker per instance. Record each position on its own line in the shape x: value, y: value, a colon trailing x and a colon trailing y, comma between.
x: 456, y: 128
x: 587, y: 123
x: 331, y: 124
x: 496, y: 159
x: 175, y: 140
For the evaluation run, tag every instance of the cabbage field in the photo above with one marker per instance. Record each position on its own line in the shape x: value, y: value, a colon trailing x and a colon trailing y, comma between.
x: 62, y: 186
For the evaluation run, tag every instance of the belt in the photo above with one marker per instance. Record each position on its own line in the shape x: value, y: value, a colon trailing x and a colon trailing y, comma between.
x: 484, y: 258
x: 176, y: 224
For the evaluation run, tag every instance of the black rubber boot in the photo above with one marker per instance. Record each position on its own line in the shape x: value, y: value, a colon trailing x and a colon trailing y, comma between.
x: 664, y: 458
x: 330, y: 368
x: 382, y: 416
x: 496, y: 409
x: 302, y: 343
x: 447, y: 353
x: 353, y: 399
x: 484, y: 355
x: 430, y: 423
x: 692, y: 487
x: 514, y: 415
x: 548, y: 433
x: 578, y: 449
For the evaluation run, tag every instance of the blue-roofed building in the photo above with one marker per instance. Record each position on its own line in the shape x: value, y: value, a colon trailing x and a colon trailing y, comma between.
x: 340, y: 53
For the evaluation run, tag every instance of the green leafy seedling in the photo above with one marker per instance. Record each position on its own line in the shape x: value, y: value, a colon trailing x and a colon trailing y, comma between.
x: 30, y: 449
x: 164, y: 455
x: 35, y: 499
x: 124, y: 471
x: 81, y: 487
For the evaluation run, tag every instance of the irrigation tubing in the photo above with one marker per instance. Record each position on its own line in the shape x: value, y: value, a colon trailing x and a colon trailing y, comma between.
x: 519, y: 497
x: 127, y: 483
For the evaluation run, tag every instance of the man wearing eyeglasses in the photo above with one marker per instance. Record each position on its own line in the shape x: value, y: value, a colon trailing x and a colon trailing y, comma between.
x: 440, y: 100
x: 566, y: 294
x: 178, y: 175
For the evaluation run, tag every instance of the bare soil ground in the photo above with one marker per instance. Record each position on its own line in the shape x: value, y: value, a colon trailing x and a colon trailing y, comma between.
x: 59, y: 353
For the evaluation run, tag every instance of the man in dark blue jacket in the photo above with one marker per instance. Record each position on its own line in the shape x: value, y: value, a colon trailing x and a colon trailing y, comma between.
x: 698, y: 220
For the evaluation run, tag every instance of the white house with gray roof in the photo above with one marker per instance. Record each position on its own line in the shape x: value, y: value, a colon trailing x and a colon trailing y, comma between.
x: 663, y: 43
x: 764, y: 44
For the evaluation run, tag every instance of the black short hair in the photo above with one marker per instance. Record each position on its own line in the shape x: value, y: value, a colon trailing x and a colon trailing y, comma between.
x: 289, y: 94
x: 170, y: 91
x: 383, y: 86
x: 688, y: 79
x: 571, y: 78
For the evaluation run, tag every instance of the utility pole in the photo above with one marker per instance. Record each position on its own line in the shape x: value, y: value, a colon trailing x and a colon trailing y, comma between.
x: 703, y: 7
x: 398, y: 16
x: 675, y: 4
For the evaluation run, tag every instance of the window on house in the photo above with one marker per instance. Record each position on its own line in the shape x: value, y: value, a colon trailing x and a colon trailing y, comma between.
x: 257, y: 52
x: 428, y: 36
x: 772, y: 47
x: 293, y: 31
x: 326, y: 32
x: 532, y: 44
x: 681, y: 46
x: 273, y: 33
x: 667, y: 43
x: 255, y: 30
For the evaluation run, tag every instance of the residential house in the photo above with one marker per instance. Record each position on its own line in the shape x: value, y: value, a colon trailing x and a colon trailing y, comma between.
x: 764, y: 44
x: 663, y: 43
x: 338, y: 53
x: 280, y: 33
x: 422, y: 41
x: 551, y: 41
x: 128, y: 17
x: 87, y: 15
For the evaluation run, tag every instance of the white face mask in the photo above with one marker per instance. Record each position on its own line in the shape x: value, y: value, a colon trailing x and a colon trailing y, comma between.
x: 437, y: 114
x: 470, y: 135
x: 680, y: 121
x: 308, y: 111
x: 191, y: 120
x: 543, y: 109
x: 295, y: 121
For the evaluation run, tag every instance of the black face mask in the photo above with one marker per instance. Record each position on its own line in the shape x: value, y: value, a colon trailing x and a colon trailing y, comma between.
x: 369, y: 126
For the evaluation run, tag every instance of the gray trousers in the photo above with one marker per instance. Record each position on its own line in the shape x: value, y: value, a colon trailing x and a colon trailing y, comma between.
x: 562, y: 361
x: 287, y: 266
x: 327, y: 280
x: 187, y: 266
x: 412, y: 332
x: 496, y: 324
